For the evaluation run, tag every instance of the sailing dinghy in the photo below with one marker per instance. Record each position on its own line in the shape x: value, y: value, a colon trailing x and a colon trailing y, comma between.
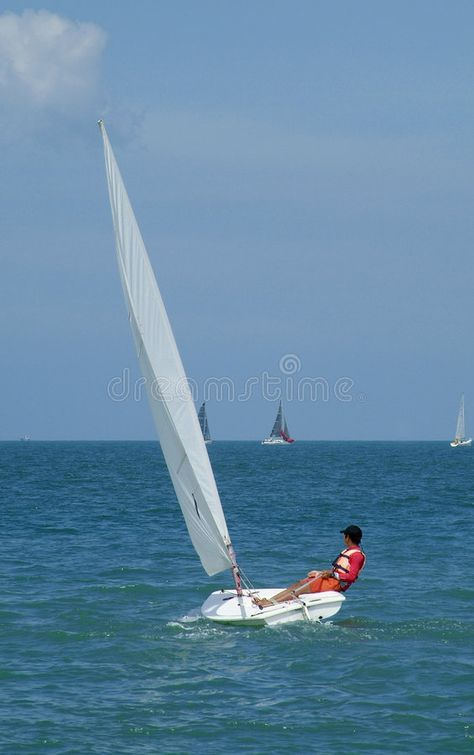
x: 280, y: 435
x: 180, y: 434
x: 460, y: 437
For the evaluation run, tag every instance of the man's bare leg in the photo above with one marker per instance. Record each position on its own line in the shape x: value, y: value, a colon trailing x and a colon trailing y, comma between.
x: 298, y: 588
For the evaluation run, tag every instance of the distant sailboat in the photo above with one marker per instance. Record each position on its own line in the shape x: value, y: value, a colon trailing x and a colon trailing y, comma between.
x: 279, y: 435
x: 460, y: 437
x: 202, y: 417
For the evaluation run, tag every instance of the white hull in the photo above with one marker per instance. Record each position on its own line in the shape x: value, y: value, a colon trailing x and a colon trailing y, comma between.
x: 224, y: 607
x: 275, y: 442
x: 456, y: 443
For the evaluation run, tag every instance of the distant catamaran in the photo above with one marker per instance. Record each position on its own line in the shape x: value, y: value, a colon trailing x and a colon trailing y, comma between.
x: 460, y: 437
x: 202, y: 417
x: 280, y: 434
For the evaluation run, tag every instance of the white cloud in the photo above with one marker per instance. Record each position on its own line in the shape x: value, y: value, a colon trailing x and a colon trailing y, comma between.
x: 48, y: 61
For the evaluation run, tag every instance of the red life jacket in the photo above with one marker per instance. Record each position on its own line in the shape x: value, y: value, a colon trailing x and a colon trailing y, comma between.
x: 341, y: 563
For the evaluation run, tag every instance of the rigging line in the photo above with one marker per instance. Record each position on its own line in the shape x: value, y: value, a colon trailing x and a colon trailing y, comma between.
x: 304, y: 607
x: 248, y: 584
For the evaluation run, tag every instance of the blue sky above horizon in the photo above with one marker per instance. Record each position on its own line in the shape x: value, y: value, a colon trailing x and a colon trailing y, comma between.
x: 302, y: 175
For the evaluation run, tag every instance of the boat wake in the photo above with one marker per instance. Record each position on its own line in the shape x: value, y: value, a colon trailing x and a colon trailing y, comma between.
x: 192, y: 617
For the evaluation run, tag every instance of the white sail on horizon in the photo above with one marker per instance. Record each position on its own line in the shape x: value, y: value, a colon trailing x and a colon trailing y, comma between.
x: 167, y: 387
x: 460, y: 429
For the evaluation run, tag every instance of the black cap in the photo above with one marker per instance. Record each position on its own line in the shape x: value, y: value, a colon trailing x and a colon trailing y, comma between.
x: 354, y: 532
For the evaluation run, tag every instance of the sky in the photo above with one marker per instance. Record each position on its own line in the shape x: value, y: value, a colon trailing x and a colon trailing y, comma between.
x: 303, y: 177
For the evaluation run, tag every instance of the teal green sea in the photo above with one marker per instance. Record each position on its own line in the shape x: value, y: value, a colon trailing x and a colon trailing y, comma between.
x: 102, y: 647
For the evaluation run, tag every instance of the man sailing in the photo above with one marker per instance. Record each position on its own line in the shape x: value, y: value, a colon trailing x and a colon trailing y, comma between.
x: 345, y: 570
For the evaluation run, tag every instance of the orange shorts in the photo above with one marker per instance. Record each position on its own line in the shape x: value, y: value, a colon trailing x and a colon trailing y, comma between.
x: 321, y: 584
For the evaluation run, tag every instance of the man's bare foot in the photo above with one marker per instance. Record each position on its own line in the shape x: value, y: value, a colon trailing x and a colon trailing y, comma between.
x: 262, y: 602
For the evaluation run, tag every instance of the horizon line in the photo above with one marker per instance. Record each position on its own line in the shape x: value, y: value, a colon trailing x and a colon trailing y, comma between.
x: 225, y: 440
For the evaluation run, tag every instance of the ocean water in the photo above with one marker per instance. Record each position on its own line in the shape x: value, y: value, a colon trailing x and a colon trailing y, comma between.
x: 102, y: 648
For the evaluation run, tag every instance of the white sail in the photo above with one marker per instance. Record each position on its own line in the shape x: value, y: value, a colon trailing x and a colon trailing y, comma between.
x: 167, y: 386
x: 460, y: 430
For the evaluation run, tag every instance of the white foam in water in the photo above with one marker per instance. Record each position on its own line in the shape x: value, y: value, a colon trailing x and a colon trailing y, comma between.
x: 188, y: 618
